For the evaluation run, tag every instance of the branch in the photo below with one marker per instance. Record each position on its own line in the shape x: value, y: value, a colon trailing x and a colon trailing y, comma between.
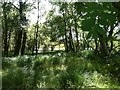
x: 14, y: 6
x: 116, y: 5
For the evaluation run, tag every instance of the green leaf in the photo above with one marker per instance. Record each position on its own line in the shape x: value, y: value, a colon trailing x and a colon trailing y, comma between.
x: 95, y: 34
x: 99, y: 29
x: 88, y: 35
x: 103, y: 19
x: 112, y: 19
x: 87, y: 24
x: 106, y: 18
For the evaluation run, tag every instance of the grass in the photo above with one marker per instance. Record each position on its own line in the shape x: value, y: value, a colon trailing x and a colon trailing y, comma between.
x: 60, y: 70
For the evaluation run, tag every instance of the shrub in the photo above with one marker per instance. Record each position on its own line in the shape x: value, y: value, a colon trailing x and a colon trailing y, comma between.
x: 7, y: 63
x: 24, y: 61
x: 56, y: 61
x: 16, y: 79
x: 70, y: 80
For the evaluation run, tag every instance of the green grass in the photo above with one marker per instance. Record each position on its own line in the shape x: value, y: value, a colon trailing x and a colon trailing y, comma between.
x: 61, y: 71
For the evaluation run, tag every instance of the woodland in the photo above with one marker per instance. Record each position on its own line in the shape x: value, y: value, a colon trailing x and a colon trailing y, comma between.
x: 76, y: 46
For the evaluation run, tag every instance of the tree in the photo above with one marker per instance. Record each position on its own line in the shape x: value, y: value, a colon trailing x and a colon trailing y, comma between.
x: 9, y: 19
x: 20, y: 33
x: 36, y: 32
x: 97, y: 19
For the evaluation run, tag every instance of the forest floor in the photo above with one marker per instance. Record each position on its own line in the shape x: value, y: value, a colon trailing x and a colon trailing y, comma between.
x: 61, y: 70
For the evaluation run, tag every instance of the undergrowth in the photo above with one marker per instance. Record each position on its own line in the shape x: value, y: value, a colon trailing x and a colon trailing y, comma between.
x: 60, y: 71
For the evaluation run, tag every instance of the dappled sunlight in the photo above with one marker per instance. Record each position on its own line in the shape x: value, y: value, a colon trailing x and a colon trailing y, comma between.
x: 96, y: 80
x: 60, y: 45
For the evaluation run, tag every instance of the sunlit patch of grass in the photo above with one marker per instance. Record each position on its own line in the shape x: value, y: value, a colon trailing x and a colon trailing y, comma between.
x: 62, y: 67
x: 96, y: 79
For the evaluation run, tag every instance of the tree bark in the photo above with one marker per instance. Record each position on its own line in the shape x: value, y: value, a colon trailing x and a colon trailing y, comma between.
x: 71, y: 44
x: 18, y: 38
x: 5, y: 32
x: 110, y: 37
x: 33, y: 45
x: 96, y: 47
x: 76, y: 31
x: 66, y: 41
x: 23, y: 43
x: 37, y: 27
x: 103, y: 47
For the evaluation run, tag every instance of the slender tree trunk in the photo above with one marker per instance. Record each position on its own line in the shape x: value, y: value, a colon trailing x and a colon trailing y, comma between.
x: 36, y: 41
x: 23, y: 43
x: 37, y: 27
x: 76, y: 31
x: 69, y: 24
x: 9, y: 37
x: 96, y: 47
x: 18, y: 38
x: 33, y: 50
x: 84, y: 44
x: 33, y: 45
x: 110, y: 36
x: 5, y: 32
x: 66, y: 41
x: 71, y: 40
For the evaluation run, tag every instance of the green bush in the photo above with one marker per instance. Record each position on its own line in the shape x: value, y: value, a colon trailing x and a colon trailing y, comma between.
x: 7, y: 63
x: 24, y: 61
x: 71, y: 80
x: 56, y: 61
x: 16, y: 79
x: 88, y: 54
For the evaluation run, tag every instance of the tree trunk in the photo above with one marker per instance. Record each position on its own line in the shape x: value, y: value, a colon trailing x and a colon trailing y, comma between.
x: 18, y: 42
x: 96, y: 47
x: 76, y: 31
x: 23, y: 43
x: 103, y: 47
x: 5, y: 32
x: 33, y: 45
x: 71, y: 45
x: 37, y: 27
x: 66, y: 41
x: 9, y: 37
x: 110, y: 37
x: 36, y: 41
x: 84, y: 42
x: 19, y: 32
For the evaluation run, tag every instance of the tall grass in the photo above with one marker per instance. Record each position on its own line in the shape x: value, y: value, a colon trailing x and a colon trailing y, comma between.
x: 66, y: 71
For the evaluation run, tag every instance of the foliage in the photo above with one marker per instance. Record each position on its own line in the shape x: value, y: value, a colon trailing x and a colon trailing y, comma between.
x: 60, y: 72
x: 16, y: 79
x: 76, y: 47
